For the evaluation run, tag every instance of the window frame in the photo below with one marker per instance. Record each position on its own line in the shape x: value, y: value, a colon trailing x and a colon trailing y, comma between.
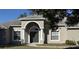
x: 17, y: 35
x: 58, y: 36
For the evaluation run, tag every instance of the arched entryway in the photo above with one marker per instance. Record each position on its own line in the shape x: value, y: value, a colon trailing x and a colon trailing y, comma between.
x: 32, y: 32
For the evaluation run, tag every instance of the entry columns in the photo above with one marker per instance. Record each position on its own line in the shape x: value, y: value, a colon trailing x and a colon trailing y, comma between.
x: 41, y: 36
x: 22, y: 36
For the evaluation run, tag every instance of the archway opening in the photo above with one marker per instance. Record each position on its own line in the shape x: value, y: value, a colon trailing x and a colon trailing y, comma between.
x: 32, y: 32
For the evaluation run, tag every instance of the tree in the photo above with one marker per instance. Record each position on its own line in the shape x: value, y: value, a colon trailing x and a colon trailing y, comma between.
x: 23, y: 15
x: 56, y: 15
x: 73, y: 19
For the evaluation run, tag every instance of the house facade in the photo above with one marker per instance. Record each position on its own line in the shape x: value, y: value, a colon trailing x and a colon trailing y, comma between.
x: 35, y: 29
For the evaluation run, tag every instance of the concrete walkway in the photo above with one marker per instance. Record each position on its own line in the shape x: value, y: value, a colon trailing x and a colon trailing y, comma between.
x: 56, y: 47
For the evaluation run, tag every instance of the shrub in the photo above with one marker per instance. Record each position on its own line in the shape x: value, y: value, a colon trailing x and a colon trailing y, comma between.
x: 70, y: 42
x: 78, y: 42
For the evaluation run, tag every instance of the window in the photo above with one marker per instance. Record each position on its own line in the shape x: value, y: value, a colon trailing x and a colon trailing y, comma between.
x: 16, y: 35
x: 55, y: 35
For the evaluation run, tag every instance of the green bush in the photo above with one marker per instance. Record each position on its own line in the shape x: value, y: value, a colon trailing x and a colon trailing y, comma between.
x: 78, y: 42
x: 70, y: 42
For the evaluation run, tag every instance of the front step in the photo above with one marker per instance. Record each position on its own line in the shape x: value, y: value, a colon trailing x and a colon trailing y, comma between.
x: 31, y: 44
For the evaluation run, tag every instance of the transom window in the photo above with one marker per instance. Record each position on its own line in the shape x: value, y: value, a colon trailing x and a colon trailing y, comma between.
x: 16, y: 35
x: 55, y: 35
x: 35, y: 29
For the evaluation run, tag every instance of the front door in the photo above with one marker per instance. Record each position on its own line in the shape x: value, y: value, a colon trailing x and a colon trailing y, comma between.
x: 33, y: 37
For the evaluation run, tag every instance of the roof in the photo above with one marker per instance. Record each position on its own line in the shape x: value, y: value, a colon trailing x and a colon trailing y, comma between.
x: 3, y: 27
x: 33, y: 17
x: 15, y: 22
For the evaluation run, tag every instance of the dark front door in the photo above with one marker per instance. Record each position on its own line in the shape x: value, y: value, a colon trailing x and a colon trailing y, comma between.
x: 33, y: 37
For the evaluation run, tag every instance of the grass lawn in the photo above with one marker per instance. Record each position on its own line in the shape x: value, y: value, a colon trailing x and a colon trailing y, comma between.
x: 39, y: 46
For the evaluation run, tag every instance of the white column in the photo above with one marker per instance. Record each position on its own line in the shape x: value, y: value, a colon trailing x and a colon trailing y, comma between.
x: 28, y: 38
x: 23, y: 36
x: 41, y: 37
x: 41, y: 34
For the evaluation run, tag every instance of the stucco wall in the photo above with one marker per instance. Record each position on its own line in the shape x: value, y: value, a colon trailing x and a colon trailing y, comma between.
x: 62, y: 36
x: 73, y: 34
x: 8, y: 36
x: 4, y: 37
x: 65, y: 34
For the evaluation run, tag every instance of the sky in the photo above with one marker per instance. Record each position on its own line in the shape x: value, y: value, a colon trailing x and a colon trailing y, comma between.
x: 11, y: 14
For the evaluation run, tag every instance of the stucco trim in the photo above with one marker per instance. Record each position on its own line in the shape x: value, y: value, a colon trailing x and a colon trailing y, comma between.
x: 15, y: 25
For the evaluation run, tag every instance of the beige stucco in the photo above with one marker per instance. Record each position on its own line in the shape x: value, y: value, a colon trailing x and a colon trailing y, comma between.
x: 65, y: 34
x: 62, y: 35
x: 73, y: 34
